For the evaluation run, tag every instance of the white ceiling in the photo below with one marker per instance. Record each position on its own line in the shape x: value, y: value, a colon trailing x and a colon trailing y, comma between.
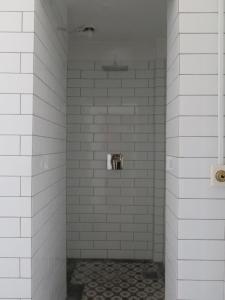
x: 127, y: 20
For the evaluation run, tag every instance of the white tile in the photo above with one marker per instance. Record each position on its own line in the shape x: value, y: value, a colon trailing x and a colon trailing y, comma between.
x: 9, y: 62
x: 10, y: 186
x: 200, y: 229
x: 26, y: 186
x: 16, y: 42
x: 80, y: 83
x: 108, y: 83
x: 16, y: 83
x: 198, y: 126
x: 202, y: 209
x: 198, y: 43
x: 28, y: 21
x: 27, y: 61
x: 198, y: 23
x: 15, y: 247
x: 10, y: 21
x: 198, y: 146
x: 15, y: 166
x: 198, y: 85
x: 9, y: 104
x: 9, y: 267
x: 123, y: 92
x: 201, y: 250
x: 200, y: 270
x: 91, y: 92
x: 26, y: 145
x: 202, y: 290
x: 25, y: 267
x: 198, y: 64
x: 198, y: 6
x: 15, y: 125
x: 25, y: 227
x: 13, y: 5
x: 15, y: 207
x: 15, y: 288
x: 9, y: 227
x: 134, y: 83
x: 198, y: 105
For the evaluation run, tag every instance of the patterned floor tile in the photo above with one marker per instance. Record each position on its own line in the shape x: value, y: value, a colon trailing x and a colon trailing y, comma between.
x: 116, y: 280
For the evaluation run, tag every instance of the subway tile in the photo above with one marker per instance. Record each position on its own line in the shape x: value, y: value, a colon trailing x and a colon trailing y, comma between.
x: 25, y: 267
x: 198, y: 23
x: 28, y: 21
x: 200, y: 229
x: 122, y: 74
x: 93, y: 74
x: 121, y: 110
x: 198, y: 64
x: 16, y: 42
x: 12, y: 5
x: 9, y: 227
x: 134, y: 83
x: 15, y: 288
x: 111, y: 101
x: 205, y: 6
x: 200, y: 289
x: 107, y: 245
x: 15, y: 247
x: 15, y: 166
x: 27, y: 61
x: 80, y: 83
x: 10, y: 21
x: 107, y: 83
x: 201, y: 250
x: 144, y: 92
x: 198, y: 43
x: 120, y: 92
x: 134, y: 245
x: 114, y: 121
x: 15, y: 207
x: 9, y: 63
x: 10, y: 186
x: 200, y: 270
x: 135, y: 101
x: 94, y: 92
x: 16, y: 83
x: 9, y: 267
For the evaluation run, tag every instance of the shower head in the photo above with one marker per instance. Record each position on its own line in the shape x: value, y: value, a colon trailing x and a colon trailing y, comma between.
x: 115, y: 67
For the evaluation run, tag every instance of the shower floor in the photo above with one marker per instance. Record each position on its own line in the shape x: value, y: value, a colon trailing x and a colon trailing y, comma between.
x: 115, y: 280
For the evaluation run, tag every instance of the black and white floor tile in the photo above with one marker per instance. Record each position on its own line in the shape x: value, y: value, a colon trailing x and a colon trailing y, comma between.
x: 115, y: 280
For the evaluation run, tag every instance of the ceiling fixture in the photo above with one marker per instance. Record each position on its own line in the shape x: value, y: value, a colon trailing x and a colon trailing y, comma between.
x: 89, y: 30
x: 83, y: 30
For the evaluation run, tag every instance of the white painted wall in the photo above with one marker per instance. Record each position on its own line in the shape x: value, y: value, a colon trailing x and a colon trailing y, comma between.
x: 195, y: 211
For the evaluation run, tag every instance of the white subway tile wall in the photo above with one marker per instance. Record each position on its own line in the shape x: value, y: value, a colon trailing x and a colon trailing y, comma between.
x: 172, y: 187
x: 15, y: 124
x: 116, y: 214
x: 195, y: 222
x: 49, y: 151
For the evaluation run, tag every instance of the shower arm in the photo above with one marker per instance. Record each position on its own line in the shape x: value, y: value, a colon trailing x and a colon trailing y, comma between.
x: 220, y: 82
